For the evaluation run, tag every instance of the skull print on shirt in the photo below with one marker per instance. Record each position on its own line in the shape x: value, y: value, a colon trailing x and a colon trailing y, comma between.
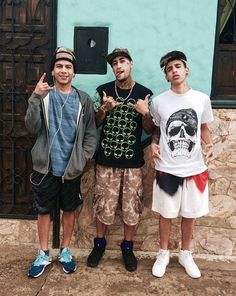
x: 181, y: 131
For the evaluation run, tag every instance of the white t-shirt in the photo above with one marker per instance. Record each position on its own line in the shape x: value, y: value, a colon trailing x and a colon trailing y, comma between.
x: 179, y: 117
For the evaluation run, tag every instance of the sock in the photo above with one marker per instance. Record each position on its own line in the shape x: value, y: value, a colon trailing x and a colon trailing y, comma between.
x: 100, y: 242
x: 46, y: 252
x: 127, y: 244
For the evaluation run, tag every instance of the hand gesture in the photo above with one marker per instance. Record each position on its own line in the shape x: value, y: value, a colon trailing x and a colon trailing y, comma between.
x: 108, y: 102
x: 41, y: 86
x: 141, y: 106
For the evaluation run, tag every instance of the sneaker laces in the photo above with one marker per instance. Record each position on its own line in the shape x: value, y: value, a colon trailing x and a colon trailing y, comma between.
x: 161, y: 257
x: 41, y: 258
x: 189, y: 257
x: 65, y: 255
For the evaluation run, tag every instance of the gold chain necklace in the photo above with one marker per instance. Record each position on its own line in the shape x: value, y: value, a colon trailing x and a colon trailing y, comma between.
x: 121, y: 98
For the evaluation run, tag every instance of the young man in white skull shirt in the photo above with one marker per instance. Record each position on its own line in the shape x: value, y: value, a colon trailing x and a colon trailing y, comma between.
x: 181, y: 115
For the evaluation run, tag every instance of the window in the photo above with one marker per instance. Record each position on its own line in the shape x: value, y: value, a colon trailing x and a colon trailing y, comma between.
x: 224, y: 70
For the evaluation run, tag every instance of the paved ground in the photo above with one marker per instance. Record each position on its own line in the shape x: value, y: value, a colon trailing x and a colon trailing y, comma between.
x: 110, y: 278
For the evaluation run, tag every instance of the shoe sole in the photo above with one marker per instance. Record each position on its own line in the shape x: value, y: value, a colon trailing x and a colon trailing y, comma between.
x: 35, y: 276
x: 193, y: 277
x: 131, y: 269
x: 92, y: 265
x: 158, y: 275
x: 96, y: 264
x: 69, y: 271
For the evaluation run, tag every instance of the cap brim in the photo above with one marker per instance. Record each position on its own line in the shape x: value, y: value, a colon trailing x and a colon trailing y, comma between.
x: 110, y: 57
x: 66, y: 59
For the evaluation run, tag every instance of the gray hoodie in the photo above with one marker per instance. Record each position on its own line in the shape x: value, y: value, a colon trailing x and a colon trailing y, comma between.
x: 36, y: 121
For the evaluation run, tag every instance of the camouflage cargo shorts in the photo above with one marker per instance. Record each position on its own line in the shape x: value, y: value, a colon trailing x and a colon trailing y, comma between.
x: 116, y: 186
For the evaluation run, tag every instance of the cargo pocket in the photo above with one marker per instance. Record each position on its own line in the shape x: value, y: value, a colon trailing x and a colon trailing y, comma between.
x: 98, y: 204
x: 139, y: 202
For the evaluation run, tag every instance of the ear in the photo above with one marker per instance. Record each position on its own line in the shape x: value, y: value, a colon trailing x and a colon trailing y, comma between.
x: 187, y: 70
x: 167, y: 79
x: 52, y: 73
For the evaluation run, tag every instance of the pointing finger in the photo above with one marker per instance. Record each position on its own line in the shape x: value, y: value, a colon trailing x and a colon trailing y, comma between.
x: 147, y: 97
x: 42, y: 77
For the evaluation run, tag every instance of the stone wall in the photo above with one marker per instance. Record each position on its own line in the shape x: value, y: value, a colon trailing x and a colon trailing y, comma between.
x: 213, y: 234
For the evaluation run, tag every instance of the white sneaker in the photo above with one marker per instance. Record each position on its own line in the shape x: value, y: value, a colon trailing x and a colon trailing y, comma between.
x: 163, y: 259
x: 186, y: 260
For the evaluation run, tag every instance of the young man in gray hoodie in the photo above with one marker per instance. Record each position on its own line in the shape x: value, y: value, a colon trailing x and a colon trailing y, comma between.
x: 62, y: 119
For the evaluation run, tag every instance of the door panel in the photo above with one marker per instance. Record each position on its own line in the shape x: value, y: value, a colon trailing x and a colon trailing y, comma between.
x: 226, y: 70
x: 28, y: 39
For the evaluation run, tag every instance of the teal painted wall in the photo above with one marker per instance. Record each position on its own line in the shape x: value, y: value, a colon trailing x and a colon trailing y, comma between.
x: 149, y: 29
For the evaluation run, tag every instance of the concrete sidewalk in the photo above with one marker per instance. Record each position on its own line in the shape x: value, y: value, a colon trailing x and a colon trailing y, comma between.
x: 110, y: 278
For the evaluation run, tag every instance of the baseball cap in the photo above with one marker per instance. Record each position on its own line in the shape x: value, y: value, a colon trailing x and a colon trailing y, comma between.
x: 171, y: 56
x: 63, y: 53
x: 118, y: 52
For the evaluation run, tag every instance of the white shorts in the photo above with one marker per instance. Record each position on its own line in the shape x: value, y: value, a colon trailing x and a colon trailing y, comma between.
x: 188, y: 201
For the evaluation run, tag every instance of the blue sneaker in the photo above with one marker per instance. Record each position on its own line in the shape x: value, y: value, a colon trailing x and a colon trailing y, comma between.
x: 66, y: 259
x: 37, y: 268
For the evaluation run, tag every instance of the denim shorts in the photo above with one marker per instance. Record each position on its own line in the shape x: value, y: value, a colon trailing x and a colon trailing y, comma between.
x: 48, y: 189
